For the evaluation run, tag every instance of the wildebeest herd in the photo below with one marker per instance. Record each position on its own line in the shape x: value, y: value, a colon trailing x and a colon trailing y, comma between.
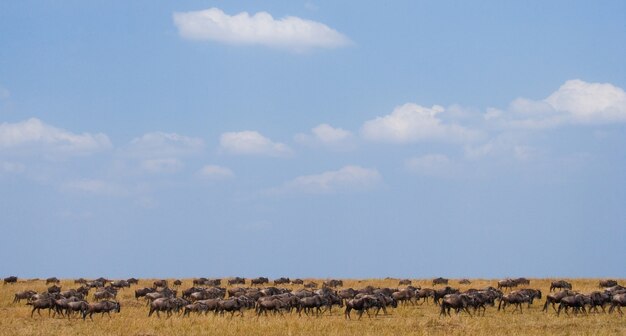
x: 99, y: 296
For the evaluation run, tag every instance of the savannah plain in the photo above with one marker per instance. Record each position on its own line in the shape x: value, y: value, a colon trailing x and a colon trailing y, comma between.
x: 408, y: 319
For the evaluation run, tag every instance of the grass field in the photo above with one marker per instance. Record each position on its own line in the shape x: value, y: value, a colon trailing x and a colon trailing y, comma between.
x: 405, y: 320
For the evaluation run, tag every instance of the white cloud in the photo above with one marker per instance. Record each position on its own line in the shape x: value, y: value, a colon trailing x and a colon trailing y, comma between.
x: 161, y: 144
x: 348, y: 178
x: 430, y: 164
x: 259, y: 29
x: 93, y: 186
x: 214, y: 172
x: 34, y: 133
x: 590, y: 102
x: 327, y: 136
x: 168, y: 165
x: 575, y: 102
x: 252, y: 143
x: 413, y: 123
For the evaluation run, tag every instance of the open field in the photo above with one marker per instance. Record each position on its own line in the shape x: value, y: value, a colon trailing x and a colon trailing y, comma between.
x: 405, y: 320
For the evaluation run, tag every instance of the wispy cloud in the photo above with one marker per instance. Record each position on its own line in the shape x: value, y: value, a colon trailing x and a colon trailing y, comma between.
x: 33, y: 135
x: 162, y: 144
x: 348, y: 178
x: 412, y: 123
x: 215, y: 172
x: 327, y: 136
x: 252, y: 143
x: 258, y: 29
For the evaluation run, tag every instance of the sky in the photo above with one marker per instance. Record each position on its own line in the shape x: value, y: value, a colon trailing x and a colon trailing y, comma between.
x: 313, y: 139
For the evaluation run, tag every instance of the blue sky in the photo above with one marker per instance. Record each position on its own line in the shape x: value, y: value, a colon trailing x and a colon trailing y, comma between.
x: 313, y: 139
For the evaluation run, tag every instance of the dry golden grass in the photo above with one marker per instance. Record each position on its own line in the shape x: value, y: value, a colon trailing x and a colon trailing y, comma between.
x: 405, y: 320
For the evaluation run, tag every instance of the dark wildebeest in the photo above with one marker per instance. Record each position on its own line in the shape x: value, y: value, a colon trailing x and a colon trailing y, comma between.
x: 272, y: 304
x: 197, y: 307
x: 231, y: 305
x: 360, y: 305
x: 52, y: 280
x: 333, y: 283
x: 177, y: 283
x: 522, y: 281
x: 598, y: 298
x: 404, y: 296
x: 77, y: 306
x: 213, y: 282
x: 311, y: 304
x: 54, y: 289
x: 259, y: 281
x: 237, y: 281
x: 464, y: 282
x: 141, y: 292
x: 531, y: 293
x: 514, y: 298
x: 120, y: 284
x: 310, y: 284
x: 552, y: 299
x: 561, y: 284
x: 281, y: 281
x: 573, y: 301
x: 80, y: 281
x: 618, y: 301
x: 162, y: 305
x: 457, y: 301
x: 24, y: 295
x: 102, y: 307
x: 440, y: 293
x: 159, y: 283
x: 10, y: 280
x: 507, y: 283
x: 297, y: 282
x: 133, y: 281
x: 44, y: 303
x: 404, y: 282
x: 440, y: 281
x: 607, y: 283
x: 424, y: 294
x: 105, y: 294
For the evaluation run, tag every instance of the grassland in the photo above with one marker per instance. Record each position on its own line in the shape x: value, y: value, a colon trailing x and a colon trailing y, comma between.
x: 405, y: 320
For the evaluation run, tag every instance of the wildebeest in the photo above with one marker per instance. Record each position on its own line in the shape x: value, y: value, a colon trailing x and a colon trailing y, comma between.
x: 102, y: 307
x: 105, y: 293
x: 231, y: 305
x: 159, y: 283
x: 573, y: 301
x: 281, y: 281
x: 133, y: 281
x: 440, y: 293
x: 237, y: 281
x: 44, y: 303
x: 54, y: 289
x: 162, y: 305
x: 77, y: 306
x: 561, y: 284
x: 404, y: 282
x: 259, y: 281
x: 552, y: 299
x: 598, y: 298
x: 310, y: 284
x: 10, y: 280
x: 24, y: 295
x: 607, y: 283
x: 120, y: 284
x: 333, y: 283
x: 141, y: 292
x: 361, y: 305
x: 80, y: 281
x: 457, y: 301
x: 297, y: 282
x: 507, y: 283
x: 464, y: 282
x: 440, y: 281
x: 514, y: 298
x: 618, y: 301
x: 272, y: 304
x: 53, y: 280
x: 177, y: 282
x: 424, y: 294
